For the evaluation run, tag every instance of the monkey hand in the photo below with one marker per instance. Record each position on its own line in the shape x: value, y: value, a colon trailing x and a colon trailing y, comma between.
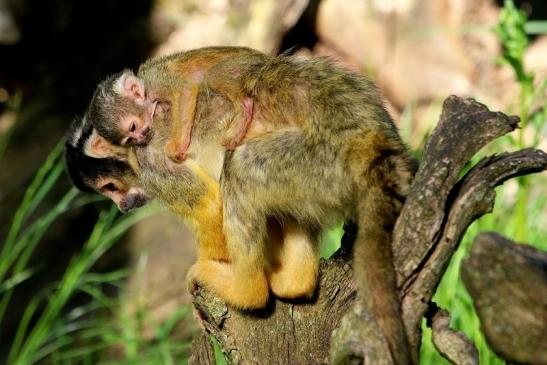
x: 192, y: 281
x: 243, y: 289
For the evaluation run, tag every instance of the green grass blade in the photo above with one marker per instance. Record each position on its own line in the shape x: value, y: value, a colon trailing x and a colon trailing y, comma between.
x: 23, y: 249
x: 17, y: 279
x: 30, y: 310
x: 29, y: 198
x: 104, y: 234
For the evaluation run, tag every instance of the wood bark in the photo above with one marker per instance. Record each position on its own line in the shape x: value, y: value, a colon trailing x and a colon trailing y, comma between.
x: 508, y: 284
x: 435, y: 216
x: 452, y: 345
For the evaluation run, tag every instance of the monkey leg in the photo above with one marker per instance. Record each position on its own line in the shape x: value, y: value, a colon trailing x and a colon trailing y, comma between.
x: 224, y: 80
x: 295, y: 263
x: 245, y: 285
x: 240, y: 124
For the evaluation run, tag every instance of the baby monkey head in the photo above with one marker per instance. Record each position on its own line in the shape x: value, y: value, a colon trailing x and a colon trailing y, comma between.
x: 108, y: 176
x: 120, y: 111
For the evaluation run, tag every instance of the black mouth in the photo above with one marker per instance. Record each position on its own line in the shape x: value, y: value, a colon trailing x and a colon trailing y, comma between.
x: 132, y: 202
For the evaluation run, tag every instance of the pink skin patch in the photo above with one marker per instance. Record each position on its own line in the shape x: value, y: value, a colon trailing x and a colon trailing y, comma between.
x: 149, y: 112
x: 242, y: 129
x: 185, y: 142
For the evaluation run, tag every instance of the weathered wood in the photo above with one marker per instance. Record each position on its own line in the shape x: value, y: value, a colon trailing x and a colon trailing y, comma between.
x: 284, y: 333
x: 203, y: 352
x: 464, y: 128
x: 436, y: 214
x: 508, y: 284
x: 472, y: 197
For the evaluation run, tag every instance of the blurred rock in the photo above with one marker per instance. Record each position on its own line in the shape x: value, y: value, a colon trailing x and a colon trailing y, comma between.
x: 416, y: 50
x: 258, y: 24
x: 508, y: 284
x: 9, y: 31
x: 535, y: 59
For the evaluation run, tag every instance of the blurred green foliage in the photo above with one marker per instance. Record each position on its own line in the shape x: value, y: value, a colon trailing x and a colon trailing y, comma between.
x: 519, y: 210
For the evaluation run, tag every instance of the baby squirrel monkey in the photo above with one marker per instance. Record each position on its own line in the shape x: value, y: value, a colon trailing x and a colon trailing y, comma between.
x: 125, y: 103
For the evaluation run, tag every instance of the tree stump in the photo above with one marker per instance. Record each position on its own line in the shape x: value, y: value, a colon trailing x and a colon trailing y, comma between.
x: 435, y: 216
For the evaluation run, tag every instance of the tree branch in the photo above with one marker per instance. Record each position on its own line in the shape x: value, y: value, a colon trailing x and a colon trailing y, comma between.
x: 284, y: 333
x: 452, y: 345
x: 202, y: 350
x: 472, y: 197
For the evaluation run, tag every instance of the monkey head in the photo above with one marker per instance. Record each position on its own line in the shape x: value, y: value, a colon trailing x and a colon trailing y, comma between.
x: 120, y: 111
x: 108, y: 176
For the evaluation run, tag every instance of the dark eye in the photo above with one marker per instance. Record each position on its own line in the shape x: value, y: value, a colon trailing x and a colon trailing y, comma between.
x: 128, y: 141
x: 132, y: 127
x: 109, y: 187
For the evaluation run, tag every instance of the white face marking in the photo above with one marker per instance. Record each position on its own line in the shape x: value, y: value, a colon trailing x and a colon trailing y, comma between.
x: 118, y: 85
x: 76, y: 137
x: 87, y: 146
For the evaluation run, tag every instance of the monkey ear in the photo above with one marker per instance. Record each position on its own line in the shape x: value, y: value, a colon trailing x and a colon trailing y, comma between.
x: 129, y: 85
x: 98, y: 147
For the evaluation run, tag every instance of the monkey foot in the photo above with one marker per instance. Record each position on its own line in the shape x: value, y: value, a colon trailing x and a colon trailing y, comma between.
x: 294, y: 283
x: 241, y: 291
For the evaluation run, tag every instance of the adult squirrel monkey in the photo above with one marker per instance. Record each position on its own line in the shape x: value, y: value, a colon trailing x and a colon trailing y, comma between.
x: 334, y: 154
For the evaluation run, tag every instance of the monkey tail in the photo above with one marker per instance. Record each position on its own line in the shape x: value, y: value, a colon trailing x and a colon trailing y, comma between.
x: 382, y: 193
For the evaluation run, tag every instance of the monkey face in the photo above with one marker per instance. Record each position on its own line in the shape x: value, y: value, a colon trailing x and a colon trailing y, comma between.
x: 108, y: 176
x: 124, y: 195
x: 136, y: 129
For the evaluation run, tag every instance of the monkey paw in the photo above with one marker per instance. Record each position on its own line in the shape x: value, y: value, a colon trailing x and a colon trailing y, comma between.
x: 173, y: 150
x: 192, y: 281
x: 296, y: 283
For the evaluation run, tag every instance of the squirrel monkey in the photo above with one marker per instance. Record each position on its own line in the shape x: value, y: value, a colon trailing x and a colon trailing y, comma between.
x: 339, y: 158
x: 123, y: 106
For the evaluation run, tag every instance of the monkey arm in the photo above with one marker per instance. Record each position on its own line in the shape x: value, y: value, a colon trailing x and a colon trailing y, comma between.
x: 183, y: 110
x: 221, y: 80
x: 204, y: 215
